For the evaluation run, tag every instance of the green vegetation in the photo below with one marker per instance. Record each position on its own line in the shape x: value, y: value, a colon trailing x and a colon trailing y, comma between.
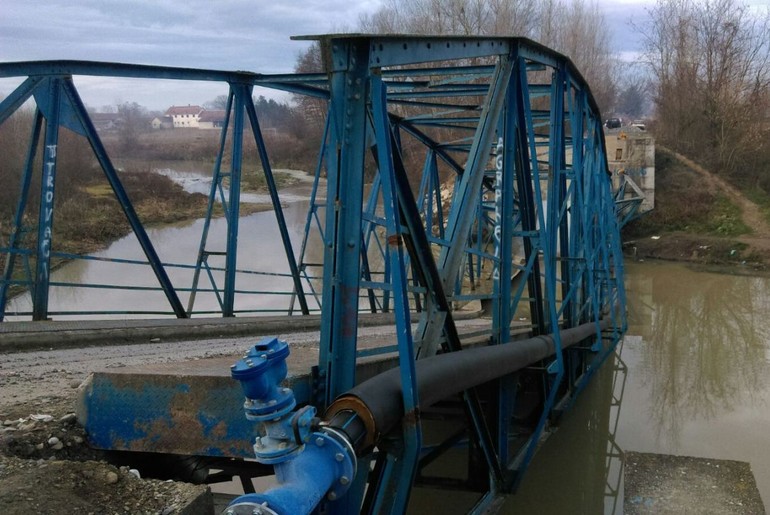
x: 724, y: 219
x: 684, y: 203
x: 254, y: 180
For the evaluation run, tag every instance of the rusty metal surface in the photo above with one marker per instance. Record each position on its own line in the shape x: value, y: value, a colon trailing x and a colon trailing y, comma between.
x: 190, y: 407
x: 194, y: 407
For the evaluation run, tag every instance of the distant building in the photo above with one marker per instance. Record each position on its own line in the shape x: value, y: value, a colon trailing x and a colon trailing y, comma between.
x: 164, y: 122
x: 106, y: 121
x: 185, y: 116
x: 213, y: 119
x: 631, y: 154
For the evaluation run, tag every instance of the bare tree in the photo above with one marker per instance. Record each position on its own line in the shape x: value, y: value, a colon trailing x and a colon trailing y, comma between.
x: 313, y: 109
x: 578, y: 30
x: 133, y: 121
x: 575, y: 28
x: 632, y: 97
x: 220, y: 102
x: 459, y: 17
x: 710, y: 62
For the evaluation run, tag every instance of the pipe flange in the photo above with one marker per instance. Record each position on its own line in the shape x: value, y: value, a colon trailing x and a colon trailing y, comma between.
x: 250, y: 507
x: 334, y: 444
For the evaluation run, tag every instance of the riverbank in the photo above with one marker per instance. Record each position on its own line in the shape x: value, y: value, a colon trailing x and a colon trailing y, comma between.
x: 699, y: 218
x: 89, y: 218
x: 157, y: 197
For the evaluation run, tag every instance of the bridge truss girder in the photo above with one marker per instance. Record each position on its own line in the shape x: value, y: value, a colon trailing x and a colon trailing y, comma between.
x: 58, y: 102
x: 552, y: 197
x: 487, y: 181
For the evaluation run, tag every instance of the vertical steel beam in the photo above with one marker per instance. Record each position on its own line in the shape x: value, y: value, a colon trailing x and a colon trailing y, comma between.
x: 525, y: 175
x: 406, y: 466
x: 344, y: 203
x: 45, y: 214
x: 216, y: 180
x: 557, y: 194
x: 368, y: 231
x: 508, y: 155
x: 241, y: 96
x: 577, y: 251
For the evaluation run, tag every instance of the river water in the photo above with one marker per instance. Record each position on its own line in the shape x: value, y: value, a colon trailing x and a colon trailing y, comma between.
x: 259, y: 250
x: 261, y: 256
x: 699, y: 369
x: 692, y: 379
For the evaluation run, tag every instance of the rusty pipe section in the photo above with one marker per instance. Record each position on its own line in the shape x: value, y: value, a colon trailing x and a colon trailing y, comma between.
x: 375, y: 407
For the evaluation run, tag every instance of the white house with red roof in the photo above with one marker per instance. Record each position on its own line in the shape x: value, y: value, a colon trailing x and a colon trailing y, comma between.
x: 185, y: 116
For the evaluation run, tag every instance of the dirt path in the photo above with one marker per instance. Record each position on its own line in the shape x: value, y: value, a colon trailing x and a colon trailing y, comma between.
x: 750, y: 212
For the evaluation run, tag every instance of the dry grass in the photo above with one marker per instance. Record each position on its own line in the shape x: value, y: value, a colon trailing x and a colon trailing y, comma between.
x: 684, y: 203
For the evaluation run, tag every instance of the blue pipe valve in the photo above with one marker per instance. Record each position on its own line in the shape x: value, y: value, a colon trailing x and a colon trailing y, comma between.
x: 260, y: 373
x: 310, y: 464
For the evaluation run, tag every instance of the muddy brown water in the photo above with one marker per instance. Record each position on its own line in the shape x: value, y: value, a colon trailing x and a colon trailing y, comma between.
x: 696, y: 382
x: 699, y: 366
x: 692, y: 379
x: 259, y: 250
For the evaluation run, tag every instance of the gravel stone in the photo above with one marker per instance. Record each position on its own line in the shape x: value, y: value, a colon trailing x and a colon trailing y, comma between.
x: 69, y: 418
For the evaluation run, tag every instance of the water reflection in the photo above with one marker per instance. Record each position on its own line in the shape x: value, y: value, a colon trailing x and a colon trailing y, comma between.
x: 698, y: 366
x: 705, y: 337
x: 580, y: 469
x: 577, y: 470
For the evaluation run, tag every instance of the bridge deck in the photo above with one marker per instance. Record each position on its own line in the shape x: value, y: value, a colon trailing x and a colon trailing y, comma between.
x: 28, y: 335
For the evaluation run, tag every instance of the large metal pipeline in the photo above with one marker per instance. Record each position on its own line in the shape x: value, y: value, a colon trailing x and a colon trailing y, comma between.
x: 312, y: 460
x: 378, y: 402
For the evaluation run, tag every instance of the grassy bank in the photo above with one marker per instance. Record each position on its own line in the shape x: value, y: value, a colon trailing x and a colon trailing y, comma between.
x: 92, y: 217
x: 692, y: 221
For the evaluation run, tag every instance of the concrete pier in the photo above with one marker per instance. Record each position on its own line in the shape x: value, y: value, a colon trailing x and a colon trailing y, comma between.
x: 663, y: 484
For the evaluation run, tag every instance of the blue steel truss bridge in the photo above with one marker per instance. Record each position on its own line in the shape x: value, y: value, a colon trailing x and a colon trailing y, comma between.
x: 451, y: 171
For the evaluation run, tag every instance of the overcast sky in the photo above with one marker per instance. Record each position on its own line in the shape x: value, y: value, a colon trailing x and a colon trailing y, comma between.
x: 248, y: 35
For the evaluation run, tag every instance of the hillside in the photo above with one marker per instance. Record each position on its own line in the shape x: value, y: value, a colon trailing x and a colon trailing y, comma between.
x: 698, y: 217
